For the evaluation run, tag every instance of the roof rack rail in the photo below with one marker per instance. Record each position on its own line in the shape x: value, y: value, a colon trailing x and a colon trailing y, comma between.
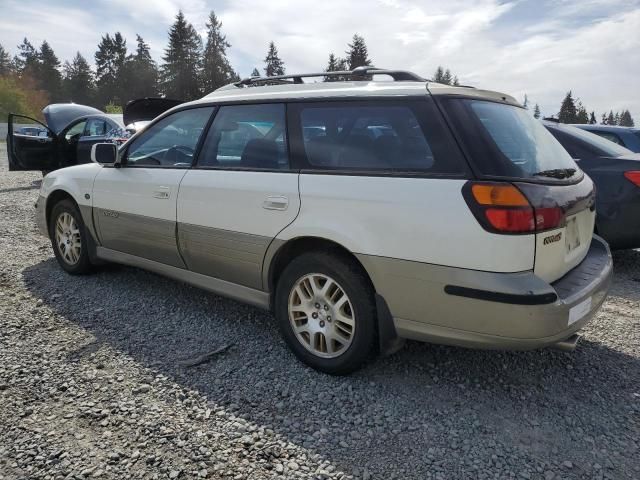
x: 359, y: 73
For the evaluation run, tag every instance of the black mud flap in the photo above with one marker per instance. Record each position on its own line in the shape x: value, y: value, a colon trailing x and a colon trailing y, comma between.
x: 389, y: 342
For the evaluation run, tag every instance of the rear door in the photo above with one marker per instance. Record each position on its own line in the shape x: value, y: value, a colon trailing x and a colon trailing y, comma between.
x: 28, y: 152
x: 239, y: 196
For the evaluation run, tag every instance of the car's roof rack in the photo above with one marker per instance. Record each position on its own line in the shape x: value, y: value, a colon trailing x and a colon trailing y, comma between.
x: 359, y: 73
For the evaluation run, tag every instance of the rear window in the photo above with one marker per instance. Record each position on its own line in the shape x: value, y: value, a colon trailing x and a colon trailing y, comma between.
x: 377, y: 136
x: 600, y: 143
x: 506, y: 141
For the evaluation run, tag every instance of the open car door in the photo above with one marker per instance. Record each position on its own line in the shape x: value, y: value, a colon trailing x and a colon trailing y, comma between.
x: 30, y: 152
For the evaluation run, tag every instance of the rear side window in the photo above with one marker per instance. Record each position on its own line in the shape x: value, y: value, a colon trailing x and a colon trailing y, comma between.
x: 247, y: 136
x: 376, y: 135
x: 506, y: 141
x: 612, y: 137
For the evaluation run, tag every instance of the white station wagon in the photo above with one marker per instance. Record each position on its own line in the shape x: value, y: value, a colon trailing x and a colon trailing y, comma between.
x: 361, y: 212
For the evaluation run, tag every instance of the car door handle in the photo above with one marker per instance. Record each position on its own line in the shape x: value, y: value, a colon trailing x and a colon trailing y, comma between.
x: 275, y: 203
x: 162, y: 192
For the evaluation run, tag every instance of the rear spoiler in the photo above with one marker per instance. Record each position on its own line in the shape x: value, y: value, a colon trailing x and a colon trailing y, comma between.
x: 147, y: 109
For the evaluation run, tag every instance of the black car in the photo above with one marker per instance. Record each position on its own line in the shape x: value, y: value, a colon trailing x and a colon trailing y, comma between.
x: 65, y: 140
x: 71, y: 130
x: 616, y: 172
x: 628, y: 137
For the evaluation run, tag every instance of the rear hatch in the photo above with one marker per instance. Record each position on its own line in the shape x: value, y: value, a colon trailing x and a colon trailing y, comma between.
x: 505, y: 145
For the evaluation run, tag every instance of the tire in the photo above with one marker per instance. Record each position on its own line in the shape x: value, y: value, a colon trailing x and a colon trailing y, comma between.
x: 325, y: 340
x: 70, y: 243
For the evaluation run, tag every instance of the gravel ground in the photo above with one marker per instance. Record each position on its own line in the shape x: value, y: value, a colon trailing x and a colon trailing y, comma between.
x: 91, y: 385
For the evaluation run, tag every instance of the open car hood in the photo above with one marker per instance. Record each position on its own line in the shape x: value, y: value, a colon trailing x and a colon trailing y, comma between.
x: 59, y: 115
x: 147, y: 109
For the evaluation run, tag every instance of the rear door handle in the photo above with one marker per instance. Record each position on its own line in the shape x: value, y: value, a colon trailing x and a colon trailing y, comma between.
x: 275, y: 202
x: 162, y: 192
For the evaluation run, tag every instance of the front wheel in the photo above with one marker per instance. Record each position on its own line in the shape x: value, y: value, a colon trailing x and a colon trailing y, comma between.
x: 68, y: 238
x: 325, y: 309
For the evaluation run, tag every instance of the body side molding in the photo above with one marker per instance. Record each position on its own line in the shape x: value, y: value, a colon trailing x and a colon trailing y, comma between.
x: 237, y: 292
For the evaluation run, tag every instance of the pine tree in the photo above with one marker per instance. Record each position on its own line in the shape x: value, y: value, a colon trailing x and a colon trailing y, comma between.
x: 335, y: 64
x: 182, y: 62
x: 216, y: 69
x: 616, y: 120
x: 536, y: 111
x: 110, y: 73
x: 272, y: 64
x: 568, y: 112
x: 6, y: 67
x: 27, y: 62
x: 357, y: 55
x: 582, y: 116
x: 49, y: 76
x: 445, y: 77
x: 611, y: 120
x: 525, y: 102
x: 140, y: 73
x: 255, y: 73
x: 626, y: 120
x: 592, y: 118
x: 448, y: 79
x: 438, y: 76
x: 77, y: 83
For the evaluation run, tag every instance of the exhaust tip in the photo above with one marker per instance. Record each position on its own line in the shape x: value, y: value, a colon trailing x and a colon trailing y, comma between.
x: 568, y: 345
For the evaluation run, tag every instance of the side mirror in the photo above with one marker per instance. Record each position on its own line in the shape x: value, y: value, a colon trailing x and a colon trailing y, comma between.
x: 105, y: 153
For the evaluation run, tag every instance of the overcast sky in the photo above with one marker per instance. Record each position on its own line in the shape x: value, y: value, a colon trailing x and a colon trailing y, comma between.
x: 539, y: 47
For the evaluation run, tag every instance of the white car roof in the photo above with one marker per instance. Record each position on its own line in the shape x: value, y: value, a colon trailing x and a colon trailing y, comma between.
x: 344, y: 89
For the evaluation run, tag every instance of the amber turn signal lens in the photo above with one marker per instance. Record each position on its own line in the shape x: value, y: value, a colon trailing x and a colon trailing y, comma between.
x: 499, y: 195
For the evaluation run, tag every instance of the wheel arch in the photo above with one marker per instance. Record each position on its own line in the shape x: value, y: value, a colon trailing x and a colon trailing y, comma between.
x: 280, y: 253
x: 55, y: 197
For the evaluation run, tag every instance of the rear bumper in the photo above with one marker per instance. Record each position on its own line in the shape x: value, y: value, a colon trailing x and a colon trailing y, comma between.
x: 518, y: 311
x: 41, y: 215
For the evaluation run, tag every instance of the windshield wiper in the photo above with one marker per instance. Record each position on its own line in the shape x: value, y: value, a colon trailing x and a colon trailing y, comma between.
x: 557, y: 173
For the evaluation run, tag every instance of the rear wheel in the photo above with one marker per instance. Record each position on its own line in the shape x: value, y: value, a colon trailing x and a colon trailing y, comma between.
x: 68, y: 238
x: 325, y: 308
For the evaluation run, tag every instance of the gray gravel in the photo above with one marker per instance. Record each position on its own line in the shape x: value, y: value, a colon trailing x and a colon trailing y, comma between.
x: 92, y: 386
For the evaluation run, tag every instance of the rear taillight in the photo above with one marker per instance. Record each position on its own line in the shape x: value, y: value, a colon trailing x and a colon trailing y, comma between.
x: 633, y: 177
x: 503, y: 208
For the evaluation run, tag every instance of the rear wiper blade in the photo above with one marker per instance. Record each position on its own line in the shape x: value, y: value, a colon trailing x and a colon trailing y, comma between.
x: 557, y: 173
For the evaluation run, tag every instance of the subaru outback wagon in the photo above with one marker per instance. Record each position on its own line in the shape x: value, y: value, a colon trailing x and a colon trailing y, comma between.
x: 360, y: 211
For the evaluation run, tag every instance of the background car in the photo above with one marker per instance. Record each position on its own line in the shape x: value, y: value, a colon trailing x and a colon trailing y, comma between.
x: 31, y: 131
x: 616, y: 173
x: 628, y: 137
x: 71, y: 130
x: 65, y: 140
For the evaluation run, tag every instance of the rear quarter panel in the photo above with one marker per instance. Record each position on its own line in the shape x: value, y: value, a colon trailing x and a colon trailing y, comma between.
x: 418, y: 219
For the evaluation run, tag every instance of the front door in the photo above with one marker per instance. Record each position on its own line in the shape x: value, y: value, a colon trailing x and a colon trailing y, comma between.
x: 30, y: 145
x: 239, y: 196
x: 135, y: 204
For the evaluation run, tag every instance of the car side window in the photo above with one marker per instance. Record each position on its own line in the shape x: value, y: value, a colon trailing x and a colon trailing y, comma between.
x: 75, y: 131
x: 370, y: 136
x: 171, y: 142
x: 247, y: 136
x: 612, y: 137
x: 95, y: 127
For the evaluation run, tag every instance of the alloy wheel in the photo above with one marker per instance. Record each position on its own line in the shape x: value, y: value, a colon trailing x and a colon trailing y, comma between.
x: 68, y: 238
x: 321, y: 315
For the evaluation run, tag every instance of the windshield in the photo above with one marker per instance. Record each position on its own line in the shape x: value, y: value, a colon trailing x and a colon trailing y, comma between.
x: 609, y: 148
x: 506, y: 141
